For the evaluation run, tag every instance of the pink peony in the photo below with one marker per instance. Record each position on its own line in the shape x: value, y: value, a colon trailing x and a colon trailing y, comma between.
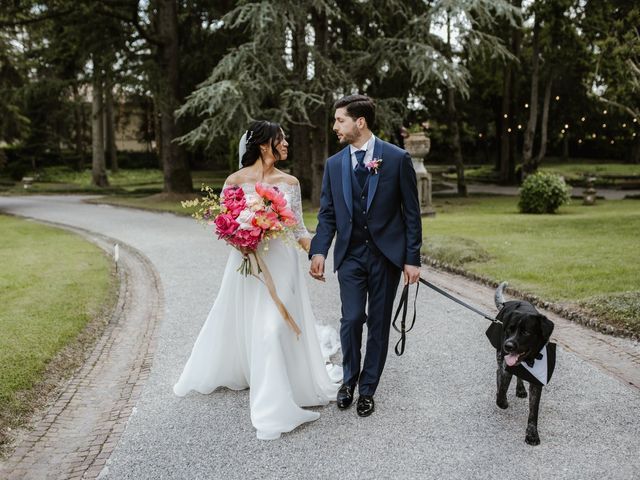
x: 235, y: 207
x: 272, y: 194
x: 247, y: 238
x: 225, y: 225
x: 266, y: 220
x: 234, y: 200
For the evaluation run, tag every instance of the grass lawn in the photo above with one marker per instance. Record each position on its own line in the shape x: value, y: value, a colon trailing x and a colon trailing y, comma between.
x: 573, y: 170
x: 587, y: 255
x: 125, y: 181
x: 52, y: 283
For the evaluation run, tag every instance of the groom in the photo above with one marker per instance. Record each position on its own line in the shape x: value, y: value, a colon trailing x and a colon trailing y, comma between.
x: 370, y: 201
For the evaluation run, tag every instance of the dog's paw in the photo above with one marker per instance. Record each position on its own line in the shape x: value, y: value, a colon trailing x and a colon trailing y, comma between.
x: 532, y: 437
x: 521, y: 392
x: 502, y: 403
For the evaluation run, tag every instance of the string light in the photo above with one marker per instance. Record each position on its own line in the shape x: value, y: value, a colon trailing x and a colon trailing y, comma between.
x: 635, y: 120
x: 509, y: 130
x: 506, y: 116
x: 566, y: 126
x: 526, y: 105
x: 562, y: 131
x: 580, y: 141
x: 583, y: 119
x: 604, y: 125
x: 479, y: 135
x: 557, y: 97
x: 604, y: 111
x: 519, y: 127
x: 612, y: 142
x: 624, y: 125
x: 593, y: 135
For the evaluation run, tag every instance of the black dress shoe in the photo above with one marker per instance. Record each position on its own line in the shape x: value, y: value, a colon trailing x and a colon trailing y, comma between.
x: 345, y: 397
x: 365, y: 406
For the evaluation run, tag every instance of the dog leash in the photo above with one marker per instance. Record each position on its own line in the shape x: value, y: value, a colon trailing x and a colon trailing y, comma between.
x: 404, y: 304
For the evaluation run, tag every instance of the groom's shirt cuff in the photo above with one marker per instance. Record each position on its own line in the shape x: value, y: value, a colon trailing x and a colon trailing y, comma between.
x: 318, y: 255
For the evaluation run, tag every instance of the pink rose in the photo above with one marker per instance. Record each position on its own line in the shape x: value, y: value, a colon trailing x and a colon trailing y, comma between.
x: 225, y: 225
x: 234, y: 200
x: 235, y: 207
x: 233, y: 193
x: 247, y: 238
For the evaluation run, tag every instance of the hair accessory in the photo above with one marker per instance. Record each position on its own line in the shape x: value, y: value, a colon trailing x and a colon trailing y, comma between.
x: 249, y: 135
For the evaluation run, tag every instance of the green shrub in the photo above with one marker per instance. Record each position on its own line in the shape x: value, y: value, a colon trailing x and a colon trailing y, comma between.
x: 543, y: 193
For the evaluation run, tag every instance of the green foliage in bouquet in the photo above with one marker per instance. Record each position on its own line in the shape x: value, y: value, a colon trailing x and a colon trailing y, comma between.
x: 206, y: 208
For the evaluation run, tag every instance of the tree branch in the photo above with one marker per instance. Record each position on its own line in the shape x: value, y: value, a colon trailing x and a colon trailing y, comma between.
x: 27, y: 21
x: 627, y: 109
x: 105, y: 10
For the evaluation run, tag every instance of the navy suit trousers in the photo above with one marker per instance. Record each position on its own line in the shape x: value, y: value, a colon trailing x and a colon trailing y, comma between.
x: 366, y: 275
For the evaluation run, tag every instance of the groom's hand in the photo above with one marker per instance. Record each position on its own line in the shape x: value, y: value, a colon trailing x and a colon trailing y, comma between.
x: 317, y: 267
x: 411, y: 274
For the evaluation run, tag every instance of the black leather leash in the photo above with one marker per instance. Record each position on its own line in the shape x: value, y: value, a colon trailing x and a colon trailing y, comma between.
x: 404, y: 304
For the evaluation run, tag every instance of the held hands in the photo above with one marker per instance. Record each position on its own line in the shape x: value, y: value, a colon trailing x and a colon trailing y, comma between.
x: 411, y: 274
x: 317, y: 268
x: 305, y: 243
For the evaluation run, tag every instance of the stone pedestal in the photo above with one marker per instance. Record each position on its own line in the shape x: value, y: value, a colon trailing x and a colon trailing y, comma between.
x: 418, y: 145
x: 589, y: 197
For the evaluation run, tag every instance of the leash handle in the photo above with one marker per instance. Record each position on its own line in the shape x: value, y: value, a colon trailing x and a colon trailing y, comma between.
x: 403, y: 305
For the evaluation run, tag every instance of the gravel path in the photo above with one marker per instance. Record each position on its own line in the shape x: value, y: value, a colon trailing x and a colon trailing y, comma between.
x: 435, y: 417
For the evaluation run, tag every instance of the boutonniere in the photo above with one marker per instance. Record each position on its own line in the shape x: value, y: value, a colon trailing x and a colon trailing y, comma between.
x: 374, y: 165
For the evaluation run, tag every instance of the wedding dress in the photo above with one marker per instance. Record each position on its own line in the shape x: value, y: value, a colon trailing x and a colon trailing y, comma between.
x: 245, y: 341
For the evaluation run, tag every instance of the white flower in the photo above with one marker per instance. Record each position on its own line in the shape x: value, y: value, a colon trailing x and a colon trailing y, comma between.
x: 254, y: 202
x: 244, y: 219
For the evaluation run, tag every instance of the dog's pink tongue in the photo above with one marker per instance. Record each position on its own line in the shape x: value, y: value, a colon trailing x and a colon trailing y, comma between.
x: 511, y: 359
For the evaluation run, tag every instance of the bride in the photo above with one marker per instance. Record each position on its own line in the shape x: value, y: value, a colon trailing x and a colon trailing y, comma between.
x: 245, y: 341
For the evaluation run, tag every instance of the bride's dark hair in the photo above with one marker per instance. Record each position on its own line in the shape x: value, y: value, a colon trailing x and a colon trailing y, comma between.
x: 259, y: 133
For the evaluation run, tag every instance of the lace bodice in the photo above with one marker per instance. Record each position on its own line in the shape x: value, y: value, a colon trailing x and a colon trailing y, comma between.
x: 294, y: 199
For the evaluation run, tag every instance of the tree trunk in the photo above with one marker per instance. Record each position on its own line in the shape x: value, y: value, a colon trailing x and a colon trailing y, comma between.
x: 455, y: 137
x: 98, y: 169
x: 78, y: 119
x: 565, y: 146
x: 528, y: 165
x: 110, y: 126
x: 301, y: 157
x: 319, y: 133
x: 320, y: 152
x: 157, y: 131
x: 545, y: 122
x: 505, y: 151
x: 177, y: 176
x: 301, y: 160
x: 635, y: 150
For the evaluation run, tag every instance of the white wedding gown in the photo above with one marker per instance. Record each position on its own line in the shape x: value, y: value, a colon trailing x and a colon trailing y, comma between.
x: 245, y: 342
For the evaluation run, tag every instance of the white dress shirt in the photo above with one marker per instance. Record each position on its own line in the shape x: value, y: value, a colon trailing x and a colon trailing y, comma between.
x: 368, y: 147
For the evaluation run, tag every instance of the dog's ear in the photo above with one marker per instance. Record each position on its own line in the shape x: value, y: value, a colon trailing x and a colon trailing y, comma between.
x: 546, y: 327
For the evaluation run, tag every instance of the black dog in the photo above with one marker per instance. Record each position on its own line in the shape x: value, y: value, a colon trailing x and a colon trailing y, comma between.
x: 523, y: 335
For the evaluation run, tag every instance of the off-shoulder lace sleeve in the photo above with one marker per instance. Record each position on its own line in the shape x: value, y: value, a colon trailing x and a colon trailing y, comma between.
x: 299, y: 231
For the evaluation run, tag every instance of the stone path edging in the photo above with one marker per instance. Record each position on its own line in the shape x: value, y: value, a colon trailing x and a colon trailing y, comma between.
x: 562, y: 309
x: 617, y: 356
x: 76, y: 434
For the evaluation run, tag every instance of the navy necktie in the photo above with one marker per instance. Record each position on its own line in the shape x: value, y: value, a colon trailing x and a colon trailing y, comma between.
x: 360, y: 170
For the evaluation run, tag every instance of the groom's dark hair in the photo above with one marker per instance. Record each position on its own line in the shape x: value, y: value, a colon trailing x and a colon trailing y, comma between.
x: 358, y: 106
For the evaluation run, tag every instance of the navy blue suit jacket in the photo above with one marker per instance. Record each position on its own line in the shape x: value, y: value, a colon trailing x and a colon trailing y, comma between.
x: 393, y: 210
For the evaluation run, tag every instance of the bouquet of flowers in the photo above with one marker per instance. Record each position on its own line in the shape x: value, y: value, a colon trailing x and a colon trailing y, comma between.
x: 245, y: 221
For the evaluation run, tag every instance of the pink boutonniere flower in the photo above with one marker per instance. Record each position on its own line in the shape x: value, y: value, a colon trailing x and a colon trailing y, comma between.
x: 373, y: 164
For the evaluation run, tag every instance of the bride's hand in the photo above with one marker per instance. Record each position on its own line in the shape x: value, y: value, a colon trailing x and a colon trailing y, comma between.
x: 305, y: 243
